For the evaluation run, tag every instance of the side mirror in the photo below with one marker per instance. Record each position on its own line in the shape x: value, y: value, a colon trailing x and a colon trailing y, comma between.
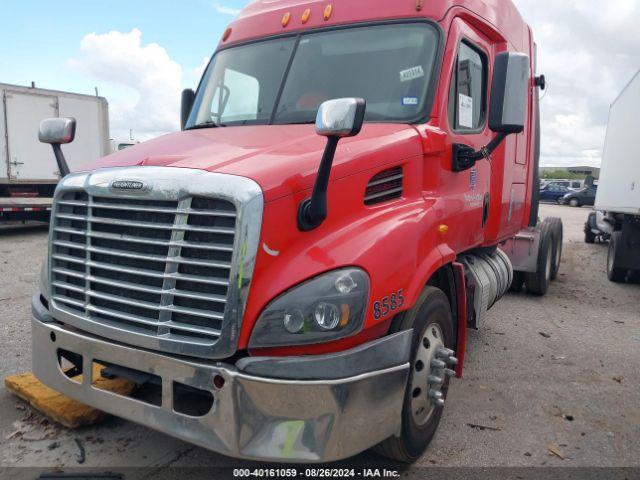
x: 340, y: 118
x: 336, y: 119
x: 511, y: 73
x: 507, y: 112
x: 56, y: 132
x: 188, y: 97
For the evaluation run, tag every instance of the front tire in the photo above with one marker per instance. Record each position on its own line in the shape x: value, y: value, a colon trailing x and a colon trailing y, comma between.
x: 574, y: 202
x: 433, y: 328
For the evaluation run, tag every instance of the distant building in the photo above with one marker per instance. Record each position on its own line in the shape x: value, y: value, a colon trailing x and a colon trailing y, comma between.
x: 580, y: 170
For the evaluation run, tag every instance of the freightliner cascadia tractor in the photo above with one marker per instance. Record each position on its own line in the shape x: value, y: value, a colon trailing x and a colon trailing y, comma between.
x: 291, y: 277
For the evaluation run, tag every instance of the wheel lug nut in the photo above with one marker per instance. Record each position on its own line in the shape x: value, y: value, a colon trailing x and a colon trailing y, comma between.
x: 434, y: 380
x: 436, y: 398
x: 438, y: 364
x: 435, y: 394
x: 444, y: 352
x: 449, y: 373
x: 452, y: 361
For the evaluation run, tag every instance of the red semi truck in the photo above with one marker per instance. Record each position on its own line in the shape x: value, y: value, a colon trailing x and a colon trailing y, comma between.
x: 281, y: 291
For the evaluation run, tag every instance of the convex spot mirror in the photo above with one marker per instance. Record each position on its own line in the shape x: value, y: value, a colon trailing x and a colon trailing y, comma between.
x: 509, y: 90
x: 57, y: 130
x: 340, y: 118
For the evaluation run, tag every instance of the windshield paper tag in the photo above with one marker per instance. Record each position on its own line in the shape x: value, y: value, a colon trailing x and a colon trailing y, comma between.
x: 411, y: 74
x: 410, y: 101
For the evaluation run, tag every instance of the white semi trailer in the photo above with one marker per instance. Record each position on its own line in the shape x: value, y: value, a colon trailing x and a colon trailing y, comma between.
x: 617, y: 216
x: 28, y: 175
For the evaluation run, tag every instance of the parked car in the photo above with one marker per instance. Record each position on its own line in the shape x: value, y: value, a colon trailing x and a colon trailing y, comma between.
x: 584, y: 196
x: 571, y: 184
x: 553, y: 192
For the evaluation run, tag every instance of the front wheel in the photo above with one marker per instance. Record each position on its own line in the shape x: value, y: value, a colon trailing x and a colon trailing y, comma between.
x: 428, y: 382
x: 574, y: 202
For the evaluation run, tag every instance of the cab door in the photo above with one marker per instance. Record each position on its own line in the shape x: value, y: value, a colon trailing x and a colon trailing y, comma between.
x: 463, y: 118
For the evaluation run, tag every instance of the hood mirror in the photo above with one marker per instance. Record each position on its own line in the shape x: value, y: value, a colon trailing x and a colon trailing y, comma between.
x: 336, y: 119
x: 340, y: 118
x: 56, y: 132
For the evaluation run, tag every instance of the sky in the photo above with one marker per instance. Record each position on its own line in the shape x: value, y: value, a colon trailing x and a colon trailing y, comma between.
x: 141, y: 54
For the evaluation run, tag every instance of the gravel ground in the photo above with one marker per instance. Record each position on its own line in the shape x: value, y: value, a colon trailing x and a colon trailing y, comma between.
x: 559, y: 371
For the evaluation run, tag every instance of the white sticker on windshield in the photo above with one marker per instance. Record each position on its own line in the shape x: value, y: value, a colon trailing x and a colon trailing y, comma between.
x: 410, y: 101
x: 465, y: 111
x: 411, y: 74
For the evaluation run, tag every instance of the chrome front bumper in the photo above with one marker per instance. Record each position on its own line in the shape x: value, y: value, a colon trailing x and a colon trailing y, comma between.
x: 253, y: 417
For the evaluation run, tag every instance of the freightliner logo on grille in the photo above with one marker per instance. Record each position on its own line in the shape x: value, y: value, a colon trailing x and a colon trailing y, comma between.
x: 127, y: 185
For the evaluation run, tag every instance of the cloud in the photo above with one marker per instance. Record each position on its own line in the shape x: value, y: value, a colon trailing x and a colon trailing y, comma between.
x: 226, y: 10
x: 147, y: 78
x: 588, y: 50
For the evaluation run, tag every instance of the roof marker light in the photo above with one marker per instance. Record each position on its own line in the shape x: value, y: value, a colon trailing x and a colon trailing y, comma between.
x: 227, y: 34
x: 327, y: 12
x: 286, y: 18
x: 305, y: 15
x: 419, y: 4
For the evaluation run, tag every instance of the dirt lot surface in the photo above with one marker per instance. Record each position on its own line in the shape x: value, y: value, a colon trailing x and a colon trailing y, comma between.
x: 555, y: 379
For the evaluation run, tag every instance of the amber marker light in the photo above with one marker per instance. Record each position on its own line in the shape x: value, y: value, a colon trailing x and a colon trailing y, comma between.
x: 443, y: 229
x: 327, y: 12
x: 227, y: 34
x: 286, y: 18
x: 419, y: 4
x: 305, y: 15
x: 345, y: 313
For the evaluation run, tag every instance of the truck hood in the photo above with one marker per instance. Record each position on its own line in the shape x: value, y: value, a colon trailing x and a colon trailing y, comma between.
x: 282, y: 159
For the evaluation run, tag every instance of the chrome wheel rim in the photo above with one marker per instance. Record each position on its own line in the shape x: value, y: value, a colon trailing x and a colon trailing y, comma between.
x: 422, y: 408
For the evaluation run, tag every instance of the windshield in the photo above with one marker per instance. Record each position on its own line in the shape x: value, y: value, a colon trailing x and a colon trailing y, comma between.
x: 285, y: 80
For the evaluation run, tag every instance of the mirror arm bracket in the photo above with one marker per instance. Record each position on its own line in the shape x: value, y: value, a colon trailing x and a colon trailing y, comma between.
x: 63, y: 167
x: 465, y: 157
x: 313, y: 211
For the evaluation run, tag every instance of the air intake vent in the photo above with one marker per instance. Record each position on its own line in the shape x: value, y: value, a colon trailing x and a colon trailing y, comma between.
x: 384, y: 186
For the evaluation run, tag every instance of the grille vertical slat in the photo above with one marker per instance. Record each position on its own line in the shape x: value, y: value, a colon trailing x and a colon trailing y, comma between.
x: 154, y: 268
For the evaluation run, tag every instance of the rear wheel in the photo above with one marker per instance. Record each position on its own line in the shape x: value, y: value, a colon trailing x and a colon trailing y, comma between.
x: 538, y: 282
x: 558, y: 238
x: 518, y: 282
x: 614, y: 272
x: 428, y: 382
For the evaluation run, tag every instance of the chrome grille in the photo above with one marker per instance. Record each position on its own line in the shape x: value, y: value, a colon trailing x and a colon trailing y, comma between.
x: 155, y: 267
x: 152, y: 268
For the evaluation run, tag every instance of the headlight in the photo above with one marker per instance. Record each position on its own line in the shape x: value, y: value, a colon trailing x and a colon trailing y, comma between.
x: 328, y: 307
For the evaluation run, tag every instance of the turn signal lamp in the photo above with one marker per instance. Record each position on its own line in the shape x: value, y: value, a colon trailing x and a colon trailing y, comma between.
x: 286, y: 18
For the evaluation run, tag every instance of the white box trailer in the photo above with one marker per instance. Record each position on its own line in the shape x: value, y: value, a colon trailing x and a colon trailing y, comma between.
x: 617, y: 216
x: 619, y: 184
x: 28, y: 169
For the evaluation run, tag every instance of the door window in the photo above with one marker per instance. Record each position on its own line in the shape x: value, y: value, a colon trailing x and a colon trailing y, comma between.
x: 467, y: 94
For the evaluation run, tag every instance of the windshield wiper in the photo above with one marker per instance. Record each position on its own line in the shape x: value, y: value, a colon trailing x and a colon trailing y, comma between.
x: 208, y: 124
